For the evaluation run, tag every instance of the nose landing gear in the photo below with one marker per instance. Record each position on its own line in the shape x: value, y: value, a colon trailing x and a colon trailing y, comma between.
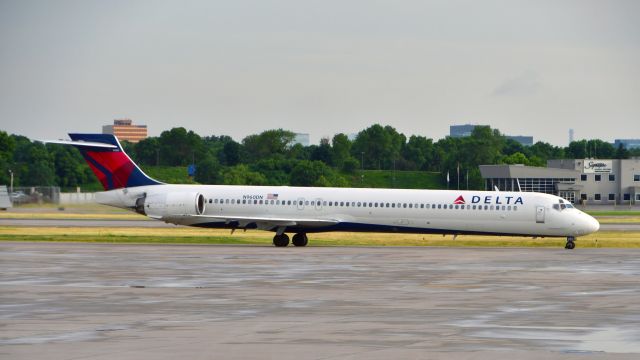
x: 570, y: 243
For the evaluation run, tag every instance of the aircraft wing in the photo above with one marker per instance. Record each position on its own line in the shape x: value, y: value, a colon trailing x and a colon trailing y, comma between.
x: 269, y: 223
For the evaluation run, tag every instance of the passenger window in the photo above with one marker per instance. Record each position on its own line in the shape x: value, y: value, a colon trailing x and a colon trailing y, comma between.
x: 410, y: 206
x: 341, y: 203
x: 233, y: 201
x: 353, y: 203
x: 371, y: 205
x: 376, y: 204
x: 515, y: 208
x: 359, y: 204
x: 226, y: 201
x: 509, y: 208
x: 439, y: 206
x: 456, y: 207
x: 312, y: 203
x: 486, y: 207
x: 393, y: 205
x: 347, y: 203
x: 324, y: 203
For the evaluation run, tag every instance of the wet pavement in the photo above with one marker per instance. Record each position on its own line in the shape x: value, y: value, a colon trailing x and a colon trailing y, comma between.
x: 103, y: 301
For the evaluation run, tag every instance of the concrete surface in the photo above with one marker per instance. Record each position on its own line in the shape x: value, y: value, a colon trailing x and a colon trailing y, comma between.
x: 103, y: 301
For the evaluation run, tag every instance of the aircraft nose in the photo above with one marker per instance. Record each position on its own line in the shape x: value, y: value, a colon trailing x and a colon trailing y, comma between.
x: 590, y: 224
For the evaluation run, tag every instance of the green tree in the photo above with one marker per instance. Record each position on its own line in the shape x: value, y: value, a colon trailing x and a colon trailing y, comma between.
x: 516, y: 158
x: 231, y: 153
x: 242, y: 175
x: 268, y: 143
x: 322, y: 153
x: 179, y: 147
x: 7, y: 147
x: 350, y: 165
x: 340, y: 149
x: 208, y: 171
x: 147, y: 151
x: 419, y: 152
x: 379, y: 146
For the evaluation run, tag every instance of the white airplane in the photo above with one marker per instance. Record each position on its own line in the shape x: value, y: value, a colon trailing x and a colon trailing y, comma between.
x: 303, y: 210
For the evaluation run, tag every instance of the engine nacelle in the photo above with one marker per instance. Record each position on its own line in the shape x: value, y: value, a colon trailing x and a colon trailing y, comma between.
x: 171, y: 204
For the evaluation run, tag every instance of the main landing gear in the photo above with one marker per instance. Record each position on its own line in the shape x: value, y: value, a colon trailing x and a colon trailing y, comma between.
x: 570, y: 243
x: 282, y: 240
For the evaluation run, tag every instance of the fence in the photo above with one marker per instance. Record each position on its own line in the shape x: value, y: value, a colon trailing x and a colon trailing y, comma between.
x: 35, y: 195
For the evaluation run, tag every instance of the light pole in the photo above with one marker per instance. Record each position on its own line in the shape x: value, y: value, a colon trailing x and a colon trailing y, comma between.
x: 11, y: 182
x: 362, y: 167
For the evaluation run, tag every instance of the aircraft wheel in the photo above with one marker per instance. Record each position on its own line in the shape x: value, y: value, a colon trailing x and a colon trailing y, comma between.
x: 300, y: 239
x: 281, y: 240
x: 570, y: 243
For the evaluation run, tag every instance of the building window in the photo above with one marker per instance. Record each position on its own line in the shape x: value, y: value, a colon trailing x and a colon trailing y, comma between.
x: 596, y: 197
x: 583, y: 197
x: 583, y: 177
x: 636, y: 177
x: 598, y: 177
x: 638, y: 197
x: 627, y: 197
x: 612, y: 177
x: 612, y: 197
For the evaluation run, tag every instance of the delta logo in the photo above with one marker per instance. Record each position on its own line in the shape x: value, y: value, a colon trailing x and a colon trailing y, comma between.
x: 490, y: 199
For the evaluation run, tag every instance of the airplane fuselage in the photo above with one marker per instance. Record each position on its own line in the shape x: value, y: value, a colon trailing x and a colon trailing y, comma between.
x: 308, y: 210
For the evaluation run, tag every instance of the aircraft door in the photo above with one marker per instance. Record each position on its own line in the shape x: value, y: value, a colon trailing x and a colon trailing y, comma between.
x: 300, y: 203
x: 540, y: 214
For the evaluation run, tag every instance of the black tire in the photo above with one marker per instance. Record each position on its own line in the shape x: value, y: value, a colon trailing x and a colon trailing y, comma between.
x: 570, y: 245
x: 281, y: 240
x: 300, y: 239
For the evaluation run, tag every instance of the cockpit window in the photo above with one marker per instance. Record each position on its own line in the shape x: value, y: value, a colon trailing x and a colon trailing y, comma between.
x: 569, y: 206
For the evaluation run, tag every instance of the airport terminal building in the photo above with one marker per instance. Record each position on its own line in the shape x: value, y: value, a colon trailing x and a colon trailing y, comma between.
x: 584, y: 181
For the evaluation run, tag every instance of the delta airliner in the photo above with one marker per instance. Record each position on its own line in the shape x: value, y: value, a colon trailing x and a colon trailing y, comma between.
x: 304, y: 210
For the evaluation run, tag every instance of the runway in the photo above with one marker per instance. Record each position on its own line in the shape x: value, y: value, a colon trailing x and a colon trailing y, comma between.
x: 105, y: 301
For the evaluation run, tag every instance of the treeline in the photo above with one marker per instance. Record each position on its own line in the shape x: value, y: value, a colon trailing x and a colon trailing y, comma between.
x: 272, y: 157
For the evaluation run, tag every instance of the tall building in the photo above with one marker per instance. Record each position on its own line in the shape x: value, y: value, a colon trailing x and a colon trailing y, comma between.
x: 627, y: 143
x: 458, y: 131
x: 461, y: 130
x: 126, y: 131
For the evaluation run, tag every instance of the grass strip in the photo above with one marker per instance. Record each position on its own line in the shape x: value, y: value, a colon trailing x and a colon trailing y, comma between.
x: 609, y: 239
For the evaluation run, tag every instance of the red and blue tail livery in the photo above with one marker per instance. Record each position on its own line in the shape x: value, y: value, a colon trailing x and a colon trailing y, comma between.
x: 109, y: 162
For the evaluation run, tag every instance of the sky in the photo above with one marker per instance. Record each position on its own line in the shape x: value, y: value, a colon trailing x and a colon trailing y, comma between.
x: 537, y: 67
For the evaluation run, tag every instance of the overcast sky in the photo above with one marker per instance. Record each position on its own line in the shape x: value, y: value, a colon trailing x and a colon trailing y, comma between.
x: 239, y: 67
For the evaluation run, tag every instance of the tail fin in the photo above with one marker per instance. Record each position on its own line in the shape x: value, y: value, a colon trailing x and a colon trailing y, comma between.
x: 113, y: 167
